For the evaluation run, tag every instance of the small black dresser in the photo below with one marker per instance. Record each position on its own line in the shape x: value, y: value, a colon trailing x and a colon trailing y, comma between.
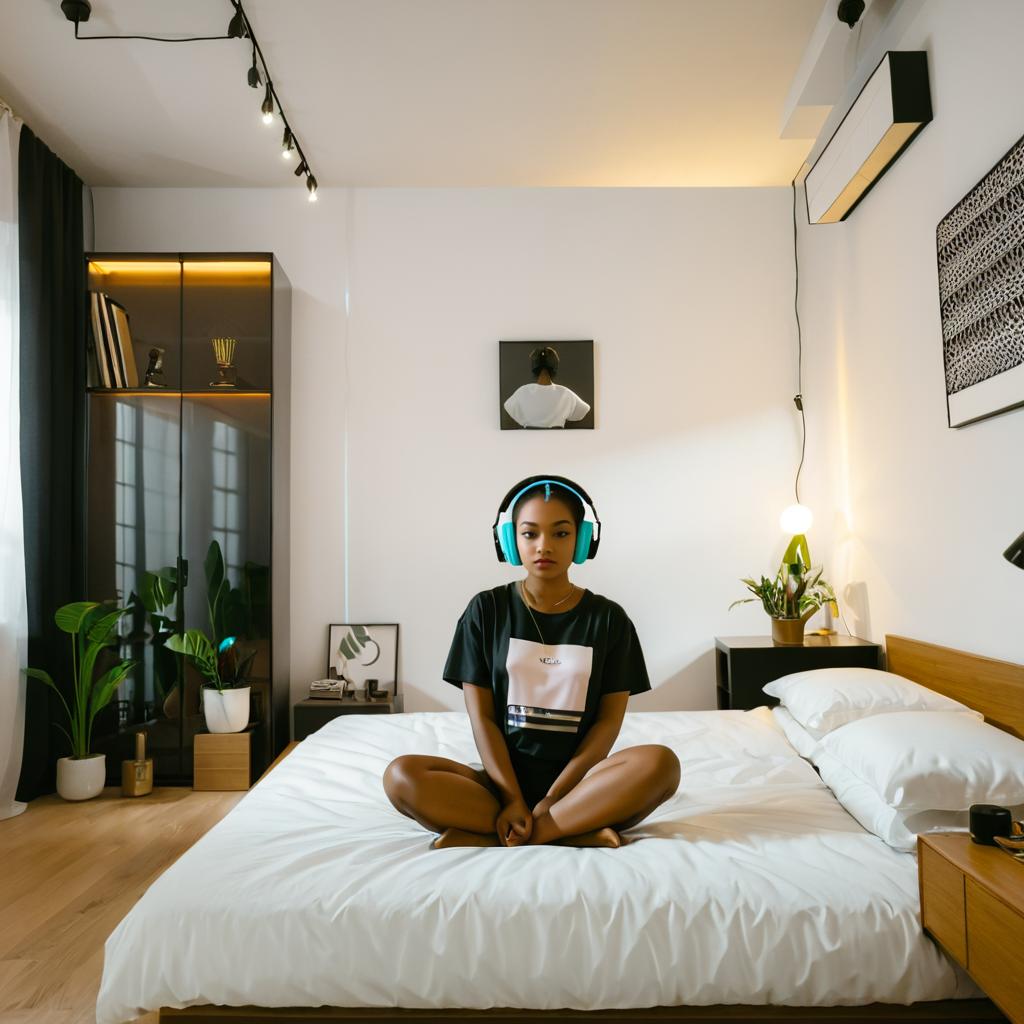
x: 743, y: 664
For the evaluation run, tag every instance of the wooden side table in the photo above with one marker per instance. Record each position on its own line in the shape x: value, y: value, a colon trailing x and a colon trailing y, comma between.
x: 222, y: 761
x: 972, y: 903
x: 313, y: 713
x: 743, y: 664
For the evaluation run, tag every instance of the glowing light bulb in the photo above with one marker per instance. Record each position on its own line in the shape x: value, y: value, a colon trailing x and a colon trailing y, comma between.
x: 796, y: 519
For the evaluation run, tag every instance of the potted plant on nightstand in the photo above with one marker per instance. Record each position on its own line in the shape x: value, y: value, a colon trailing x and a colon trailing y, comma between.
x: 93, y: 628
x: 791, y: 598
x: 219, y: 660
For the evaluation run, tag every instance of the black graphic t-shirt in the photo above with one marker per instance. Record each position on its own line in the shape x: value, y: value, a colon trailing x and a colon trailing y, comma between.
x: 546, y: 694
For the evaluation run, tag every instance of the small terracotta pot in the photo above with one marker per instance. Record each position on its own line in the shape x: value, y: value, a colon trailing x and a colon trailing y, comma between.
x: 788, y: 632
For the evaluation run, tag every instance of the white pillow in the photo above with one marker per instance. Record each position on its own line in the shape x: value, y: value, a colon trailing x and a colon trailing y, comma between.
x: 826, y: 698
x: 800, y: 739
x: 943, y: 761
x: 898, y: 828
x: 894, y: 826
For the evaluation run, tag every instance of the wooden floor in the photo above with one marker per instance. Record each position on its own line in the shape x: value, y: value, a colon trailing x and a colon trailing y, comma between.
x: 68, y: 873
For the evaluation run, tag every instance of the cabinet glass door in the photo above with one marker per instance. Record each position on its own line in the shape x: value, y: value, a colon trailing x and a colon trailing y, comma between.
x: 132, y: 512
x: 226, y: 476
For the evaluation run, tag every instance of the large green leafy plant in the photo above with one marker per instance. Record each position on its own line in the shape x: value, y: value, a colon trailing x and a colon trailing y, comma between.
x: 219, y: 659
x: 793, y: 593
x: 93, y: 629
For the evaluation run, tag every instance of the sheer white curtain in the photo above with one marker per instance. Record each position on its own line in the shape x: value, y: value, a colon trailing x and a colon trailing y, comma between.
x: 13, y: 613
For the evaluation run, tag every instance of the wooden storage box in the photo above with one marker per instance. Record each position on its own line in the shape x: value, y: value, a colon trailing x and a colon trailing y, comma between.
x: 222, y: 761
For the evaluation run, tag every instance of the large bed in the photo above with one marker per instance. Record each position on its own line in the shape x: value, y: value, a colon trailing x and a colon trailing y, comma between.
x: 751, y: 887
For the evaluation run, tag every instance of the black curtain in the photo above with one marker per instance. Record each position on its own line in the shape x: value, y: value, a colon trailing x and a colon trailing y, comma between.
x: 52, y: 295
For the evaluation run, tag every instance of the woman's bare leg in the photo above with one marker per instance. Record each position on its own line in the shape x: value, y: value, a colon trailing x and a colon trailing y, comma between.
x: 617, y: 794
x: 444, y: 796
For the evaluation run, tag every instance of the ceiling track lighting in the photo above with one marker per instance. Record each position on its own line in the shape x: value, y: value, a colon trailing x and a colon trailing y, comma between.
x: 268, y: 105
x: 254, y: 74
x: 849, y: 11
x: 239, y: 27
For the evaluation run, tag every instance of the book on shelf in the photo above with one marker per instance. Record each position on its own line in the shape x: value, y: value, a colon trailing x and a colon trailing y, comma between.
x: 112, y: 348
x: 126, y: 352
x: 110, y: 340
x: 99, y: 349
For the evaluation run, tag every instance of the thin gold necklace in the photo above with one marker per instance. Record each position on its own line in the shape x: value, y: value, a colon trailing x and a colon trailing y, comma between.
x: 561, y: 600
x: 525, y: 593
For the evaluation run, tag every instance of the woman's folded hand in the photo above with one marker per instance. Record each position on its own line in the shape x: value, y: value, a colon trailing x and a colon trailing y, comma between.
x: 514, y: 824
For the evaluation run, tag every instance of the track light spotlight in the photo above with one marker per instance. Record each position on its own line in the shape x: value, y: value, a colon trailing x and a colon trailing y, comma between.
x: 849, y: 11
x: 311, y: 185
x: 303, y: 168
x: 236, y: 26
x: 254, y: 74
x: 268, y: 106
x: 287, y: 145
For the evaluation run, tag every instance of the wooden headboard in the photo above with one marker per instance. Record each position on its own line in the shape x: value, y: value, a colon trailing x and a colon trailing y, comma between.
x: 995, y: 688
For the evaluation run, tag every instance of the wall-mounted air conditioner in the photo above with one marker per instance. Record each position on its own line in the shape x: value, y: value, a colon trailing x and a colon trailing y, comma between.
x: 894, y: 105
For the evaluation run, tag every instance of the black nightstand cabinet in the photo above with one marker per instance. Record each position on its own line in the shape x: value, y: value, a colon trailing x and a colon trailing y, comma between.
x: 743, y: 664
x: 311, y: 714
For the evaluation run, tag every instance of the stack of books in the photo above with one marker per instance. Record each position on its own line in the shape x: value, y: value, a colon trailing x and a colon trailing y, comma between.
x: 114, y: 358
x: 325, y: 689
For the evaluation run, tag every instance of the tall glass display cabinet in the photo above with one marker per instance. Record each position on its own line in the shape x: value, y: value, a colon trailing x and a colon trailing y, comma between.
x: 187, y: 483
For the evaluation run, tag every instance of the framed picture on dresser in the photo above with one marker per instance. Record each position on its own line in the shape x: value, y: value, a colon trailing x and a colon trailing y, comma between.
x: 365, y: 655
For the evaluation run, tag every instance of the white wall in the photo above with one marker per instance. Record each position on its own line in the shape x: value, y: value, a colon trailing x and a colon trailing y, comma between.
x: 918, y: 514
x: 688, y: 297
x: 309, y: 241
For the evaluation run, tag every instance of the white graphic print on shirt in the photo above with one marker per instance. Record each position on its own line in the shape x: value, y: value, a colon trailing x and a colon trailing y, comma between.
x: 547, y: 685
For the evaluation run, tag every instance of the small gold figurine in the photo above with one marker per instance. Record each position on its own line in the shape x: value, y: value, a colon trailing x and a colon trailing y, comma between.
x: 224, y: 353
x: 137, y: 775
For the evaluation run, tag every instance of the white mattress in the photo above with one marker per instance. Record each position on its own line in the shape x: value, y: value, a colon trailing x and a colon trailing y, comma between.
x: 752, y: 885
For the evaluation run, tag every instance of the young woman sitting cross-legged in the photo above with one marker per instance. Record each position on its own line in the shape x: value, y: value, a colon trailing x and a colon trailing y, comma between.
x: 546, y: 669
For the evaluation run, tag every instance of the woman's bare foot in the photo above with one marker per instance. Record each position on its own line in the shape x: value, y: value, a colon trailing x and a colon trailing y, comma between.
x: 451, y: 837
x: 605, y: 837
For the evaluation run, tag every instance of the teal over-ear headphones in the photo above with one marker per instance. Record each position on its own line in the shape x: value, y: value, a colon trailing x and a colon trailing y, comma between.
x: 504, y: 530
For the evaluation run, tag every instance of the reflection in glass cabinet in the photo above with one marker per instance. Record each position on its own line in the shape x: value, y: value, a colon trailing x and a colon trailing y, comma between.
x: 183, y: 519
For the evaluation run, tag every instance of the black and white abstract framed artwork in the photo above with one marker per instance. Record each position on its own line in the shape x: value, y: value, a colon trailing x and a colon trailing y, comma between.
x: 980, y: 245
x: 357, y: 652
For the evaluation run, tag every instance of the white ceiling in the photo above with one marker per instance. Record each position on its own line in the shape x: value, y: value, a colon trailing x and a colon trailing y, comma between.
x: 418, y: 92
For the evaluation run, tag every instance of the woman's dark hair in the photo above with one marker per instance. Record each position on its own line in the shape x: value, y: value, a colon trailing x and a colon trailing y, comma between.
x: 541, y: 491
x: 545, y: 358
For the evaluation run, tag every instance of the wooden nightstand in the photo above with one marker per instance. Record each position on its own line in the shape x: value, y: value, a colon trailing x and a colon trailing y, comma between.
x: 743, y: 664
x: 311, y: 714
x: 972, y: 903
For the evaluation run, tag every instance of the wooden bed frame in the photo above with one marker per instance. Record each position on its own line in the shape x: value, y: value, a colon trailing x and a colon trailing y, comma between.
x: 995, y: 688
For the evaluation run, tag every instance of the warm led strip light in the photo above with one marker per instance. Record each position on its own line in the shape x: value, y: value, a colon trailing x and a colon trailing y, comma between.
x: 226, y: 268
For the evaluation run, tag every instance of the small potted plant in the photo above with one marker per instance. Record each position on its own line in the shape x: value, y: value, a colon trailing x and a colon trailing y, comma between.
x: 791, y: 598
x: 93, y: 628
x: 220, y: 661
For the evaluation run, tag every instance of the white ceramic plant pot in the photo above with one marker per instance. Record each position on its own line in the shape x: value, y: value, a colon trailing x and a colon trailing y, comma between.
x: 81, y: 778
x: 226, y: 711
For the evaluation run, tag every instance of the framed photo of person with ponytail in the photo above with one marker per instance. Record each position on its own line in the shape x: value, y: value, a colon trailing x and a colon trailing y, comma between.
x: 546, y: 385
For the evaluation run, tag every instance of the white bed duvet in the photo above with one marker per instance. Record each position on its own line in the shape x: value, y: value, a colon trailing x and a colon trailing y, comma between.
x: 751, y: 885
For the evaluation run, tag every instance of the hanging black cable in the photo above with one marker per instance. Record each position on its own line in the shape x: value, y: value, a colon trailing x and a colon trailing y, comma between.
x: 798, y: 398
x: 240, y: 27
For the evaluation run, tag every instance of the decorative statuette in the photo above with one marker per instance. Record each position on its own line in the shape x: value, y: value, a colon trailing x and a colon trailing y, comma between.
x: 155, y: 369
x: 224, y: 353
